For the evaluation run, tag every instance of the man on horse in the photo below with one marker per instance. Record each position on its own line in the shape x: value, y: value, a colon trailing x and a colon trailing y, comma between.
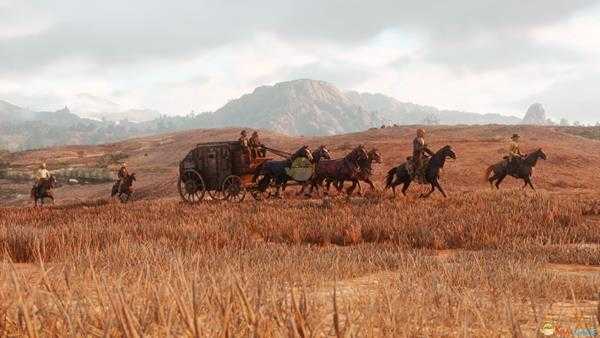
x: 41, y: 175
x: 256, y: 147
x: 122, y: 175
x: 420, y: 154
x: 514, y: 153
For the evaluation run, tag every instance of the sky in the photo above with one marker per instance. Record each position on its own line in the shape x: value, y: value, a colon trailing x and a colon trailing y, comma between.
x: 194, y: 55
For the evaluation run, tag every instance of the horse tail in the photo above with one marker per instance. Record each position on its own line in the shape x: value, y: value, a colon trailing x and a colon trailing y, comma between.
x: 390, y: 177
x: 488, y: 171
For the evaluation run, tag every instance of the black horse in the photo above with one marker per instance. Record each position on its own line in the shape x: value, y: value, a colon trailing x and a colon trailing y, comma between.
x: 43, y: 190
x: 400, y: 175
x: 522, y: 168
x: 277, y: 170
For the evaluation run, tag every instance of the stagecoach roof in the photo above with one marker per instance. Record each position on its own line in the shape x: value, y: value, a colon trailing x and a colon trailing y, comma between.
x: 216, y: 143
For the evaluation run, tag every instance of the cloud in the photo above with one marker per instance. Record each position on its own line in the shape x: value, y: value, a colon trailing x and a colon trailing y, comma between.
x: 111, y: 31
x: 196, y: 54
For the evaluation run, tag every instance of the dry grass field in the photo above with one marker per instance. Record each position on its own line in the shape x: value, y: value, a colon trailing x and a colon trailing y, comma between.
x: 481, y: 263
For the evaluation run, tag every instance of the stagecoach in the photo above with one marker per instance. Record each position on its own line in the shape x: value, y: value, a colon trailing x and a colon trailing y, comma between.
x: 224, y: 172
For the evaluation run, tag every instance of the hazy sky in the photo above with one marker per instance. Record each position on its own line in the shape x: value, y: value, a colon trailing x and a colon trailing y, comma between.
x: 183, y: 55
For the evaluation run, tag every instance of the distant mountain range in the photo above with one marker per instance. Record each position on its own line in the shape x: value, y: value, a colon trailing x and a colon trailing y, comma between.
x: 300, y: 107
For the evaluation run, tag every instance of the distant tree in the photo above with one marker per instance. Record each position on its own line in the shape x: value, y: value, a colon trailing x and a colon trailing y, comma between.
x: 598, y: 124
x: 564, y: 122
x: 577, y: 124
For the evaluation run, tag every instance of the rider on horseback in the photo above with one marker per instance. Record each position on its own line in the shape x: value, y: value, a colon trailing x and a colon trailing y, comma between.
x: 40, y: 176
x: 122, y: 175
x: 420, y: 153
x: 514, y: 153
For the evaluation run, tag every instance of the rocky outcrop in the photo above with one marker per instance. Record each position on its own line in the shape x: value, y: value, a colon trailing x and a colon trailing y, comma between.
x: 536, y: 115
x: 300, y: 107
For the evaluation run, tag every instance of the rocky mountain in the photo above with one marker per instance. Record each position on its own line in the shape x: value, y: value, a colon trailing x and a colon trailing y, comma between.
x: 94, y: 107
x: 536, y: 115
x: 301, y: 107
x: 9, y: 112
x: 399, y: 112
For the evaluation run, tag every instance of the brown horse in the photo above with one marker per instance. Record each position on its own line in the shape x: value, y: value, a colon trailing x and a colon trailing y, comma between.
x: 341, y: 169
x: 366, y: 171
x: 43, y: 190
x: 123, y: 190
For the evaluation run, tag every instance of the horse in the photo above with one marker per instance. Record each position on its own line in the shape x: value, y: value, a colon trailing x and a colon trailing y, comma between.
x: 43, y: 190
x: 400, y: 175
x: 366, y: 171
x: 276, y: 170
x: 340, y: 169
x: 321, y: 153
x: 125, y: 189
x: 522, y: 169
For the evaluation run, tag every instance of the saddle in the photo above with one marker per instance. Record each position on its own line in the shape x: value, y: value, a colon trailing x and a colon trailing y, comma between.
x: 417, y: 174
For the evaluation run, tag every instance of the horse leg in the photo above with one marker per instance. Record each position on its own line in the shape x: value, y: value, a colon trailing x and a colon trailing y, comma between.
x: 528, y: 181
x: 405, y: 187
x: 430, y: 191
x: 492, y: 179
x: 371, y: 184
x: 350, y: 189
x: 499, y: 180
x: 437, y: 185
x: 360, y: 191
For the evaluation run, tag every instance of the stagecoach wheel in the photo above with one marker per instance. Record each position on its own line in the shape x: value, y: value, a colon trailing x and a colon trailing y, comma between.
x: 233, y: 188
x: 217, y: 195
x: 191, y: 186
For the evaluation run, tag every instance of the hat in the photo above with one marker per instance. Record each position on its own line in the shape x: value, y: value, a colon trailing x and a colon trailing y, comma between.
x: 43, y: 165
x: 420, y: 131
x: 243, y: 132
x: 255, y: 133
x: 515, y: 136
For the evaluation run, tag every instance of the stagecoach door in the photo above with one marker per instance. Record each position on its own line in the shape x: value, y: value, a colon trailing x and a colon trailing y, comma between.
x: 217, y: 166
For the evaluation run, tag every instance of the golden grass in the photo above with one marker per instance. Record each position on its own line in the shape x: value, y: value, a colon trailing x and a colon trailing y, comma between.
x: 364, y: 267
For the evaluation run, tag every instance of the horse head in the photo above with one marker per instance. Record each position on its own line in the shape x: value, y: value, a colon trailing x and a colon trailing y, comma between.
x: 374, y: 156
x: 303, y: 152
x: 448, y: 151
x: 322, y: 153
x: 541, y: 154
x: 131, y: 178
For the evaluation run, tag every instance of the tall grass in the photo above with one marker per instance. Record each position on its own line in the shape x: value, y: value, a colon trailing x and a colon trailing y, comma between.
x: 365, y: 267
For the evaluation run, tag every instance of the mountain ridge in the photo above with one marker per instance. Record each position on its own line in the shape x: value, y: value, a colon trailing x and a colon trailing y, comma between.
x: 298, y: 107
